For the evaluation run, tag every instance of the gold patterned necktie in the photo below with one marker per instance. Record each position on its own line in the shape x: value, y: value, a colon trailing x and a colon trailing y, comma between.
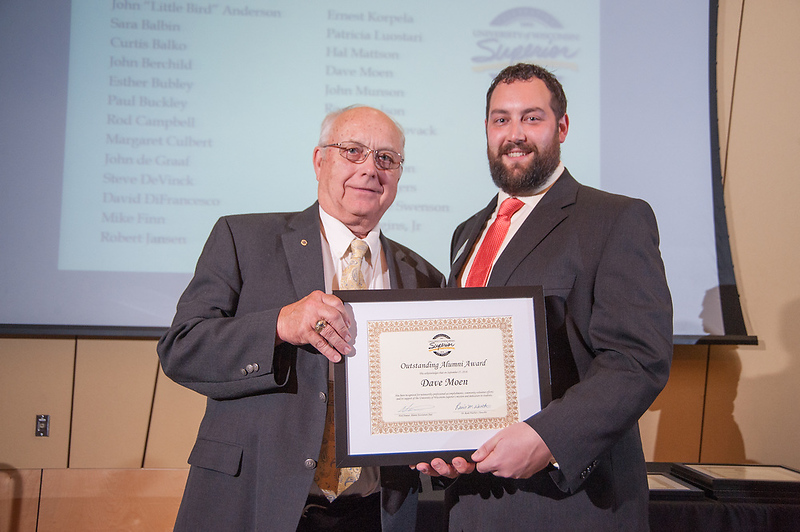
x: 352, y: 277
x: 329, y: 478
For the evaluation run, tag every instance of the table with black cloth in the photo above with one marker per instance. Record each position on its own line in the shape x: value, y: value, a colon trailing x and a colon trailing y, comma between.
x: 711, y: 513
x: 704, y: 514
x: 709, y: 516
x: 677, y: 516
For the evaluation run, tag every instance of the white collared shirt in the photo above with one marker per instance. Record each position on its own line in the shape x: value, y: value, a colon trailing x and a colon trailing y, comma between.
x: 516, y: 222
x: 336, y: 238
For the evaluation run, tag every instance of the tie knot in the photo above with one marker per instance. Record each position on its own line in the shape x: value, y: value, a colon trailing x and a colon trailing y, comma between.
x: 509, y: 207
x: 358, y: 248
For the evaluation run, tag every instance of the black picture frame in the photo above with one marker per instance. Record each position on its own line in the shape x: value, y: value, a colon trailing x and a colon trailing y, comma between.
x: 743, y: 482
x: 431, y: 300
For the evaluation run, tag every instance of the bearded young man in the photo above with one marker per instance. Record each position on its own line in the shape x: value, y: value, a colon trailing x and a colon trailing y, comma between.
x: 578, y: 463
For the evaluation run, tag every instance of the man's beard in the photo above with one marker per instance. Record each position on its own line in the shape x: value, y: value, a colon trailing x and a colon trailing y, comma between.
x: 525, y: 179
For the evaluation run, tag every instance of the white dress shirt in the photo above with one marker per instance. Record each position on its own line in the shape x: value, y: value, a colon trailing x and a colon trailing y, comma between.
x: 336, y: 238
x: 516, y: 222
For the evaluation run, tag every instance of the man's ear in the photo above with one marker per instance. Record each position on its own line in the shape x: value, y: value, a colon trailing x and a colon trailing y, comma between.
x: 563, y: 128
x: 317, y: 160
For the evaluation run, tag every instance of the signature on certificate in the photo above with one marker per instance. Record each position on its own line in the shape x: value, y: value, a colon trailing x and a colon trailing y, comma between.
x: 416, y: 407
x: 472, y: 406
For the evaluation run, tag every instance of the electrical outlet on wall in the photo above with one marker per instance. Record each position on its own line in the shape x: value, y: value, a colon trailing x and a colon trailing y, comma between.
x: 43, y: 425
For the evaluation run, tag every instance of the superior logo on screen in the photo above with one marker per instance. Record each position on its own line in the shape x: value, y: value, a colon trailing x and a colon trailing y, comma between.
x: 441, y: 345
x: 525, y: 34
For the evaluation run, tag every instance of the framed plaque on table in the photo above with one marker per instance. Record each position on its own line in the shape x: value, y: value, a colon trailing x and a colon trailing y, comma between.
x: 743, y: 482
x: 666, y: 487
x: 437, y: 372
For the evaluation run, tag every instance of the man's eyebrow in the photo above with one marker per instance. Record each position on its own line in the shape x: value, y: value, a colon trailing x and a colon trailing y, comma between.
x: 388, y: 148
x: 524, y: 111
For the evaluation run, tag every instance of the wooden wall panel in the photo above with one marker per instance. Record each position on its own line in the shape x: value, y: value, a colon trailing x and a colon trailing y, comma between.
x: 35, y: 378
x: 722, y: 438
x: 177, y: 412
x: 114, y: 386
x: 19, y: 499
x: 109, y: 500
x: 753, y: 391
x: 672, y: 427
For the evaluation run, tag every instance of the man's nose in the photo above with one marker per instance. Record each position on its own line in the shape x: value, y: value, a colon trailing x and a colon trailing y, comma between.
x: 368, y: 165
x: 517, y: 132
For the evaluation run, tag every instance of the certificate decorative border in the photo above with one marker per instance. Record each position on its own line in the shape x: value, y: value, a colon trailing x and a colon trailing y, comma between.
x: 378, y: 327
x: 356, y: 445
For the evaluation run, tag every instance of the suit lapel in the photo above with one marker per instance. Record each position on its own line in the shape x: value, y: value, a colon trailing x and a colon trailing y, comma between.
x: 401, y: 274
x: 303, y: 250
x: 466, y: 240
x: 540, y: 222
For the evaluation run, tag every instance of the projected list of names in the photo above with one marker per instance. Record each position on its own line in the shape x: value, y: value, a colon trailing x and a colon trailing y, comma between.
x: 153, y: 57
x: 146, y: 104
x: 364, y: 54
x: 181, y: 112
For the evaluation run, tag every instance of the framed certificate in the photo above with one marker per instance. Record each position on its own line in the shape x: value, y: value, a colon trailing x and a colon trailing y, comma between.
x: 437, y: 372
x: 743, y: 482
x: 666, y: 487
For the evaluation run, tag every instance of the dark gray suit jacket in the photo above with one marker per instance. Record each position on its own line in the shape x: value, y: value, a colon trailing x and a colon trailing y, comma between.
x: 253, y: 463
x: 609, y: 326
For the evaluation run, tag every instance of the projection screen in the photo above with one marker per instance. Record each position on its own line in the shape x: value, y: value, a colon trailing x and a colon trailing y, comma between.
x: 129, y: 127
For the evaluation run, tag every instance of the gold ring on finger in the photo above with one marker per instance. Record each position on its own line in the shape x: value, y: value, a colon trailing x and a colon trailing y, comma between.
x: 321, y: 324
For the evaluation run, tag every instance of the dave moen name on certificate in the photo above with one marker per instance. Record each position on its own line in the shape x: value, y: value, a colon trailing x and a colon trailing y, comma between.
x: 450, y: 374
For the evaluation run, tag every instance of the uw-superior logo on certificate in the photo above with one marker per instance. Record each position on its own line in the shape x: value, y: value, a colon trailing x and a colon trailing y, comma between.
x: 441, y: 345
x: 420, y: 382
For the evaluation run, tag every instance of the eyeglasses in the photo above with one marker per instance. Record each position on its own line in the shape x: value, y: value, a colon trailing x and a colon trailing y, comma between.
x: 356, y: 152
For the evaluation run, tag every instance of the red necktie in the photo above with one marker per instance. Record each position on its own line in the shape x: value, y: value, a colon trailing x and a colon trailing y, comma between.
x: 482, y: 265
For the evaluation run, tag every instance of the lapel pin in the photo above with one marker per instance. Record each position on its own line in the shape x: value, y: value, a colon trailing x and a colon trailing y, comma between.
x: 304, y: 242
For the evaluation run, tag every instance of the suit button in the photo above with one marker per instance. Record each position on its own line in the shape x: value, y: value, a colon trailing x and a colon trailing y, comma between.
x: 323, y: 397
x: 255, y: 366
x: 310, y: 463
x: 249, y: 368
x: 244, y: 372
x: 586, y: 472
